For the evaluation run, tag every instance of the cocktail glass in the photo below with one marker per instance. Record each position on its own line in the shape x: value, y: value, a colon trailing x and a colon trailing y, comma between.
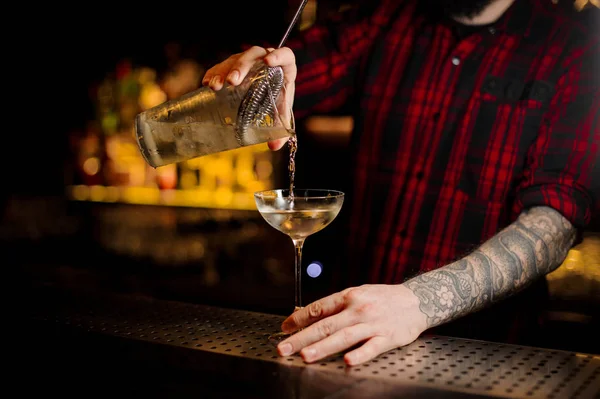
x: 299, y: 215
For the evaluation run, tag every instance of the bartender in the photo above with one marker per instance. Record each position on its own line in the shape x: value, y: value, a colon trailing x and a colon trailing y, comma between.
x: 476, y: 162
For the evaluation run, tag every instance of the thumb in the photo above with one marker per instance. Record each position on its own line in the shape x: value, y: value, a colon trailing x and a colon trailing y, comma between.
x: 276, y: 145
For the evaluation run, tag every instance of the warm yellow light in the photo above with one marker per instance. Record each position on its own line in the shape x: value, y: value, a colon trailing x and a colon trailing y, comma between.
x: 97, y: 193
x: 196, y: 163
x: 91, y: 166
x: 141, y: 195
x: 244, y: 176
x: 187, y: 180
x: 264, y: 169
x: 264, y: 147
x: 112, y: 194
x: 137, y: 172
x: 257, y: 186
x: 244, y: 200
x: 80, y: 192
x: 196, y: 249
x: 146, y: 75
x: 223, y: 196
x: 151, y: 95
x: 243, y: 168
x: 581, y: 4
x: 222, y: 168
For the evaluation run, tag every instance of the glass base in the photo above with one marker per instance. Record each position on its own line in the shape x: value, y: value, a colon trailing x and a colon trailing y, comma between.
x: 276, y: 338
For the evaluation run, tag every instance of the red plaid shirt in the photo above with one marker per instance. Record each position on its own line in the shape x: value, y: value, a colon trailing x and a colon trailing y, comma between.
x: 456, y: 135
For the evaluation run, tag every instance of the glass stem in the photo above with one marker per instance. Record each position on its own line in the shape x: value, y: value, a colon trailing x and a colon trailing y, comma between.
x: 298, y: 265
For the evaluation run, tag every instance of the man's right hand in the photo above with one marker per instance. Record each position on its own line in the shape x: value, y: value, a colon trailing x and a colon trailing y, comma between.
x: 235, y: 68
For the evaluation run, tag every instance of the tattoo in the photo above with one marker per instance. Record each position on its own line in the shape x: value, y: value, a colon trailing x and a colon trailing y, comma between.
x: 534, y: 245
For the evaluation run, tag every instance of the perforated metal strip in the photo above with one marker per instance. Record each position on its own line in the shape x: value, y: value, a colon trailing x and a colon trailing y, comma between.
x: 438, y: 362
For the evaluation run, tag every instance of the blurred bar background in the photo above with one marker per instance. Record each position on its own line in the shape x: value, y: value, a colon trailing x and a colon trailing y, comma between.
x: 81, y: 209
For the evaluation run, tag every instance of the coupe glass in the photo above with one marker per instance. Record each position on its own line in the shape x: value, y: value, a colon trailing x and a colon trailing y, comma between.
x: 299, y: 215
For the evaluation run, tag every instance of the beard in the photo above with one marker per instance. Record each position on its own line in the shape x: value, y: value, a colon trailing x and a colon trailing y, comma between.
x: 457, y: 8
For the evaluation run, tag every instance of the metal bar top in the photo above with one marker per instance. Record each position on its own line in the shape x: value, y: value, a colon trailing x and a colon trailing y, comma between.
x: 432, y: 365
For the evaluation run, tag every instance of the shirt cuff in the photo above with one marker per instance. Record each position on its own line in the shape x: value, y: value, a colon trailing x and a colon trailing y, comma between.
x: 574, y: 204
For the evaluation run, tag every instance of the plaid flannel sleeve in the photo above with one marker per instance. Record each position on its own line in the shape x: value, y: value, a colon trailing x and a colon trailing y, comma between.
x: 563, y: 164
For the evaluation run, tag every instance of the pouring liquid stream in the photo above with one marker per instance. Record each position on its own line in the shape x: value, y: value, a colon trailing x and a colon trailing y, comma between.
x: 293, y: 147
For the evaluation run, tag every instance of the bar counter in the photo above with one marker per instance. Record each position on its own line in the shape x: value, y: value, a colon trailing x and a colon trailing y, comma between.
x: 123, y: 345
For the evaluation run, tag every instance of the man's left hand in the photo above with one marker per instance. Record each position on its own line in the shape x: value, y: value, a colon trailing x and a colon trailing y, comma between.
x: 380, y: 317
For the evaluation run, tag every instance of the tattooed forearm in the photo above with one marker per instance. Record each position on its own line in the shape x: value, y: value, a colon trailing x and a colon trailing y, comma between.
x: 534, y: 245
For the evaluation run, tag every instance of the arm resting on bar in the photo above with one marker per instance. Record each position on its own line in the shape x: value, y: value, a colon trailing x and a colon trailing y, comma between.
x: 532, y: 246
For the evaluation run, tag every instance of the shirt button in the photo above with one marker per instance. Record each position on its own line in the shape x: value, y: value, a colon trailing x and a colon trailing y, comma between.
x: 455, y: 60
x: 492, y: 30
